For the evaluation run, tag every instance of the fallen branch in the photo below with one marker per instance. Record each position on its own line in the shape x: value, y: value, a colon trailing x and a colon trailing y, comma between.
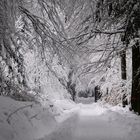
x: 11, y: 114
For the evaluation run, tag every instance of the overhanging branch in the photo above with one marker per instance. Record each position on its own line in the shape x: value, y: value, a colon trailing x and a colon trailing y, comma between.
x: 108, y: 32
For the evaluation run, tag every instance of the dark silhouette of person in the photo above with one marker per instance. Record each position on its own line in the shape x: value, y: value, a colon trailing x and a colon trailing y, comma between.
x: 97, y: 93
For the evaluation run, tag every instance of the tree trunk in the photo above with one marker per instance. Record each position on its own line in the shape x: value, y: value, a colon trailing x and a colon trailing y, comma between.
x: 135, y: 96
x: 123, y: 64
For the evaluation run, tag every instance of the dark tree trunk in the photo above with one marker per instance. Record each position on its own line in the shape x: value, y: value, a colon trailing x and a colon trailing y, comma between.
x: 135, y: 97
x: 123, y: 64
x: 123, y: 73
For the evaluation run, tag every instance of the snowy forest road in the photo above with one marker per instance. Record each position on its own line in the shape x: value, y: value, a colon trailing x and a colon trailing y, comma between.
x: 94, y: 122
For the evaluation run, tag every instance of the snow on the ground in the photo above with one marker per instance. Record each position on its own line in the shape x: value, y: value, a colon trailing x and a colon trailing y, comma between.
x: 83, y: 100
x: 31, y: 122
x: 65, y: 120
x: 100, y: 122
x: 67, y: 109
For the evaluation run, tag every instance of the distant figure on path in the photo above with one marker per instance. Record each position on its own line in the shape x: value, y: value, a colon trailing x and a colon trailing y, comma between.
x: 97, y: 93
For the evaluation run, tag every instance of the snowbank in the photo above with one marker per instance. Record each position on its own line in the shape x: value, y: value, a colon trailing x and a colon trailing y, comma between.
x: 25, y: 120
x: 67, y: 108
x: 32, y: 121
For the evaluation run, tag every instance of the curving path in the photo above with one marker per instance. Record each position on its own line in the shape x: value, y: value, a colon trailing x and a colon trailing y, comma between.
x: 94, y: 122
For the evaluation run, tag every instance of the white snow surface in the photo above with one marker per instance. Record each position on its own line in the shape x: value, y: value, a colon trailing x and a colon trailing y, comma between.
x: 32, y: 121
x: 65, y: 120
x: 26, y: 122
x: 98, y: 122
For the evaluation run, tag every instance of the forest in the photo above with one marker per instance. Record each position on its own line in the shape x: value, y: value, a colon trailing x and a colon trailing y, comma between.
x: 66, y: 61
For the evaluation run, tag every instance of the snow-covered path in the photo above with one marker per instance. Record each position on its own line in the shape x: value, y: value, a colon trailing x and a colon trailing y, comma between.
x: 94, y: 122
x: 98, y: 128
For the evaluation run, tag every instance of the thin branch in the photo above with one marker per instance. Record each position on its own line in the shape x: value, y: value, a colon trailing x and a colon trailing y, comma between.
x: 11, y: 114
